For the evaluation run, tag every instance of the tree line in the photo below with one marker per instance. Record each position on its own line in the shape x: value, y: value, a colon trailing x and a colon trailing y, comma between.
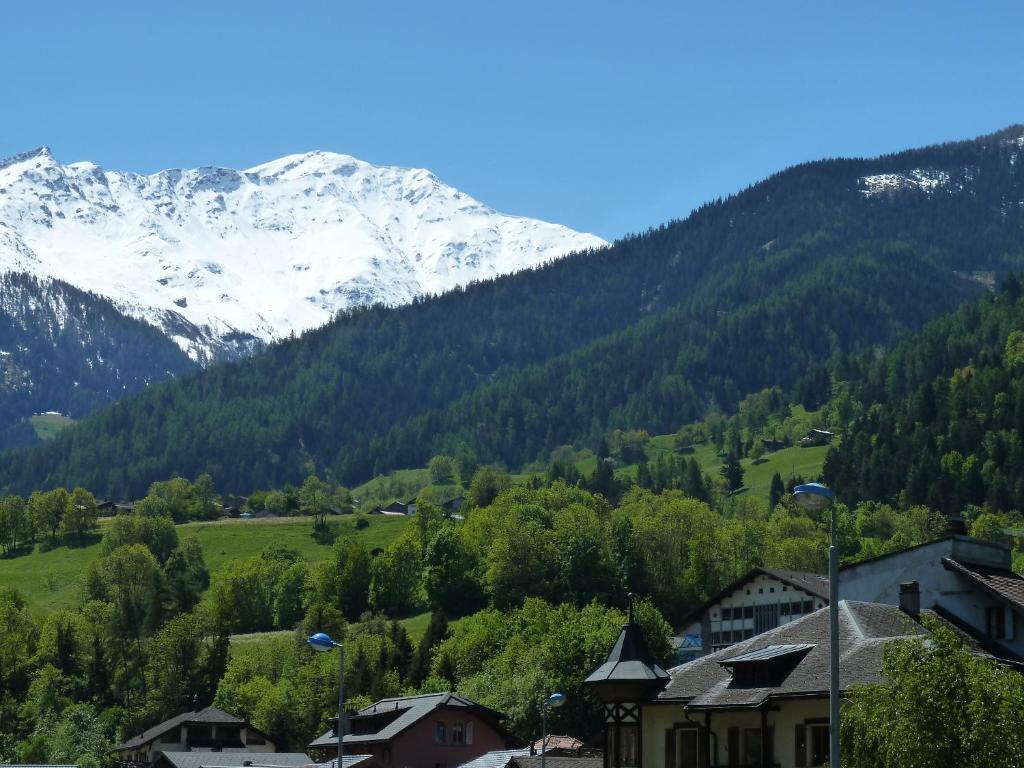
x: 757, y: 290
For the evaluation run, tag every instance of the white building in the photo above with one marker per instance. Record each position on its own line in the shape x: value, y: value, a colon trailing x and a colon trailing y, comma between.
x: 968, y: 582
x: 763, y: 599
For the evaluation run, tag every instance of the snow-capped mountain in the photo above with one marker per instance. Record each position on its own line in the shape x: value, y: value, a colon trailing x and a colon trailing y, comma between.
x: 221, y: 260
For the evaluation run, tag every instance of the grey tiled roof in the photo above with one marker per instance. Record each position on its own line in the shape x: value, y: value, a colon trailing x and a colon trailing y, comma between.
x: 998, y: 582
x: 864, y: 630
x: 407, y: 711
x: 554, y: 761
x: 233, y: 759
x: 812, y: 583
x: 208, y: 715
x: 497, y: 759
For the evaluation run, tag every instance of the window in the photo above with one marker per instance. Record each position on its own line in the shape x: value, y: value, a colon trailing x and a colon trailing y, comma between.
x: 439, y: 735
x: 458, y: 733
x: 808, y: 606
x: 628, y: 755
x: 797, y: 609
x: 819, y: 744
x: 752, y: 746
x: 760, y: 591
x: 173, y: 736
x: 772, y: 590
x: 748, y: 612
x: 785, y: 588
x: 995, y: 623
x: 784, y: 609
x: 682, y: 748
x: 469, y: 732
x: 715, y: 638
x: 748, y: 633
x: 726, y: 614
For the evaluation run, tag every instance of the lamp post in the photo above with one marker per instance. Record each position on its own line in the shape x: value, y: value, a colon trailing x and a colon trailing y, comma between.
x: 321, y: 641
x: 553, y: 701
x: 816, y: 497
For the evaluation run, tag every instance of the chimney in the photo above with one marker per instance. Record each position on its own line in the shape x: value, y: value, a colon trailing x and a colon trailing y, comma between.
x: 910, y: 598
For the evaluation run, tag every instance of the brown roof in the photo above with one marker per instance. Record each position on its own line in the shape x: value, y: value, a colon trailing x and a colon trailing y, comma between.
x: 811, y: 583
x: 558, y: 742
x: 864, y: 631
x: 1004, y: 585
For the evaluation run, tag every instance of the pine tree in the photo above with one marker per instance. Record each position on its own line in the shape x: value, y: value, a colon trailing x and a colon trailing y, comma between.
x: 777, y: 491
x: 732, y: 472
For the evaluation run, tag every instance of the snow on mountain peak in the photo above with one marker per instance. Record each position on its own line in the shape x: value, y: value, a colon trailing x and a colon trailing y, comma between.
x: 221, y: 258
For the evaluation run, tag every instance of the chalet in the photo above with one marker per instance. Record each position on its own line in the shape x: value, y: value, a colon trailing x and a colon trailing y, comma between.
x: 760, y: 702
x: 816, y: 437
x: 428, y: 730
x: 208, y: 730
x: 105, y: 507
x: 398, y: 508
x: 763, y: 599
x: 967, y: 581
x: 771, y: 444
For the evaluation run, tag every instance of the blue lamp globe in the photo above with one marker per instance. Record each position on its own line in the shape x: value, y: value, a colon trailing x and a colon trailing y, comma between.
x: 814, y: 496
x: 555, y: 700
x: 321, y: 641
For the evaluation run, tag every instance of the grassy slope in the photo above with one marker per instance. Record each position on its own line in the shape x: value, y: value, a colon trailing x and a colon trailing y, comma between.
x: 49, y: 580
x: 47, y: 425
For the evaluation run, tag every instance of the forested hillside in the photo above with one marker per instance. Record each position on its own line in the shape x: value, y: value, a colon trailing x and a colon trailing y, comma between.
x: 63, y: 348
x: 757, y: 290
x: 941, y: 418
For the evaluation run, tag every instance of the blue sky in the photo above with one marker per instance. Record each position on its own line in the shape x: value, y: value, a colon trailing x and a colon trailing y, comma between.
x: 606, y: 116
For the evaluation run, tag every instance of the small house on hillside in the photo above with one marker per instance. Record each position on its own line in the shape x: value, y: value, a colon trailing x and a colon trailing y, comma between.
x: 428, y: 730
x: 398, y: 508
x: 816, y: 437
x: 208, y: 730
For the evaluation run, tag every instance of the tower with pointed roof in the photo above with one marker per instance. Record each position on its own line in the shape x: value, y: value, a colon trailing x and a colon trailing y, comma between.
x: 627, y: 676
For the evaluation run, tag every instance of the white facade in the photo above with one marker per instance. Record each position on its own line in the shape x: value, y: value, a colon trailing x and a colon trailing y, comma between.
x: 878, y: 581
x: 760, y: 604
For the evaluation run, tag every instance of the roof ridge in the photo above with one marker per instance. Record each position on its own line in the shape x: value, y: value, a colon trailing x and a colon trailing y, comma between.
x: 845, y: 605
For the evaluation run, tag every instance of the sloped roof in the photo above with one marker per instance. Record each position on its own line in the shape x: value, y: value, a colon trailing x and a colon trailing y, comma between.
x: 210, y: 715
x: 497, y: 759
x: 557, y: 742
x: 555, y: 761
x: 406, y: 711
x: 234, y: 759
x: 864, y: 631
x: 629, y: 661
x: 1003, y: 584
x: 811, y: 583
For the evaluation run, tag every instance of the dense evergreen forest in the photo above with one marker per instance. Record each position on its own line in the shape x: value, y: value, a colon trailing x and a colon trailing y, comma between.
x: 940, y: 420
x: 67, y: 348
x: 758, y: 290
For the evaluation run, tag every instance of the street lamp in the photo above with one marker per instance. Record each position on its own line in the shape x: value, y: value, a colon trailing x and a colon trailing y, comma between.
x: 321, y: 641
x: 816, y: 497
x: 553, y: 701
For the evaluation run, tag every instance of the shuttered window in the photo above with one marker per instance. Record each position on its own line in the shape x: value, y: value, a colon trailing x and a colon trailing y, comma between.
x: 800, y: 745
